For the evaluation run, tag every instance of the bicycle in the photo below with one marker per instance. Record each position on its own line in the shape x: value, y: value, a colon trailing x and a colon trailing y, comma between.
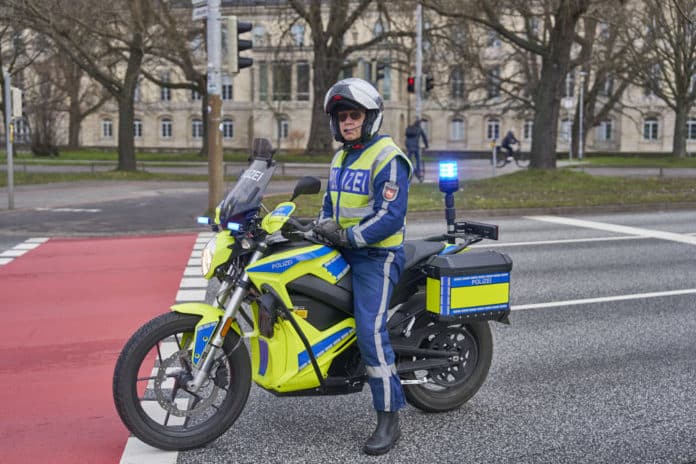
x: 521, y: 159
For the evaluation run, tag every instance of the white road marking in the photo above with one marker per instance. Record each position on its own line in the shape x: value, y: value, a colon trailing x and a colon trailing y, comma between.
x: 554, y: 242
x: 190, y: 289
x: 20, y: 249
x: 605, y: 299
x: 69, y: 210
x: 647, y: 233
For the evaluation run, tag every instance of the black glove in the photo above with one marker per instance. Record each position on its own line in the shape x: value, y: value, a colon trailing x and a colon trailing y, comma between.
x: 330, y: 231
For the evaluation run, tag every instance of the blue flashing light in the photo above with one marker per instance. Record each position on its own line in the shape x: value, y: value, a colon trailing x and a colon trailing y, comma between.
x: 449, y: 180
x: 448, y: 170
x: 205, y: 220
x: 235, y: 226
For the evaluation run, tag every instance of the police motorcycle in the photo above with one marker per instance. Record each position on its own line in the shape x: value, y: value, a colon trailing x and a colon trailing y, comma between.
x: 183, y: 378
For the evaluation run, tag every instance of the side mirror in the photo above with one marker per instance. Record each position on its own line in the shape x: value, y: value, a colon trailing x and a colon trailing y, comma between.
x: 307, y: 185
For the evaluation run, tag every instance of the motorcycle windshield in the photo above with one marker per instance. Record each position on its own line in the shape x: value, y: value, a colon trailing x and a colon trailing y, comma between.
x: 247, y: 193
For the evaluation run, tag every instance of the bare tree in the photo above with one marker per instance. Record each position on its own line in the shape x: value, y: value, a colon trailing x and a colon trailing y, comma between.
x: 181, y: 44
x: 547, y: 52
x: 662, y: 48
x: 329, y: 22
x: 604, y: 62
x: 108, y: 40
x: 17, y: 52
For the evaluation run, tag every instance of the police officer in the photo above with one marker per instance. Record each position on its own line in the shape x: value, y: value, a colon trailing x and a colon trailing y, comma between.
x: 363, y: 214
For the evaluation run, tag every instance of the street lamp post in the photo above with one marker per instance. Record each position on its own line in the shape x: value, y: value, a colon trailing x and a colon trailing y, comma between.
x: 580, y: 115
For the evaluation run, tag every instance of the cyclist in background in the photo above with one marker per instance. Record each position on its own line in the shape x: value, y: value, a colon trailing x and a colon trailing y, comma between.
x: 508, y: 141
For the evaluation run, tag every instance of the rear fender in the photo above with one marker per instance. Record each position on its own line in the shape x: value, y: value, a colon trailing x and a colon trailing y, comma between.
x: 205, y: 328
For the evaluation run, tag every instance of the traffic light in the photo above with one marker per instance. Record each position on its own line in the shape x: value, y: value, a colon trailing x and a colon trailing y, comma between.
x: 236, y: 45
x: 381, y: 66
x: 429, y: 83
x: 411, y: 84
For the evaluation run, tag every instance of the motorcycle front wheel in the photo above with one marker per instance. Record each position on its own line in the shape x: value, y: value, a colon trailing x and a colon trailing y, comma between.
x: 150, y: 391
x: 449, y: 388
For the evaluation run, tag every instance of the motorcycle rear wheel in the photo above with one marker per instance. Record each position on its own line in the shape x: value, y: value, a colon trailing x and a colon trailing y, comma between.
x: 149, y: 385
x: 451, y: 388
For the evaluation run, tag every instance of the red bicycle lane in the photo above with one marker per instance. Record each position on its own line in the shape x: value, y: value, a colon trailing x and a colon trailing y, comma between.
x: 67, y: 307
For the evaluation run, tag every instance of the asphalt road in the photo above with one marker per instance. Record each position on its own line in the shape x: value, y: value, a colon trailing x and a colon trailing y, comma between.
x: 598, y: 365
x: 609, y: 380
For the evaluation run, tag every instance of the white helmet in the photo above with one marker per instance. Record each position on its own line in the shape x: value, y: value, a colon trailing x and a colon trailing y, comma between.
x: 354, y: 93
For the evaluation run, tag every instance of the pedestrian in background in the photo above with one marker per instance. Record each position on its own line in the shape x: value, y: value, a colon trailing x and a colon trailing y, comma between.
x: 414, y: 133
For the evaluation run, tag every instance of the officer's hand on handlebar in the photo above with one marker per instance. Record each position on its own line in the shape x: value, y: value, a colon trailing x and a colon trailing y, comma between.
x: 295, y: 231
x: 334, y: 234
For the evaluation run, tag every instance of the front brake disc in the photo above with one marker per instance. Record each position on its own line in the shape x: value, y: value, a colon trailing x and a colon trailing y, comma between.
x: 170, y: 381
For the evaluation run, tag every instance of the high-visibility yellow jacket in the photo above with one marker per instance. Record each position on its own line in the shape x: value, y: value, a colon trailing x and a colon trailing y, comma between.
x: 368, y: 193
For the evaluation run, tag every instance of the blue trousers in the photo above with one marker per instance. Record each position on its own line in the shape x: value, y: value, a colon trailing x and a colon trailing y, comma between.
x: 375, y: 271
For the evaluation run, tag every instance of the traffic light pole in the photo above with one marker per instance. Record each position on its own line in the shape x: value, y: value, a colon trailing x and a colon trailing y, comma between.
x: 214, y: 50
x: 9, y: 139
x: 419, y: 59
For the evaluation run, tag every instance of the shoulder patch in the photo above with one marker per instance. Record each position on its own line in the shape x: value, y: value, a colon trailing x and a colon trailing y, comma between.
x: 390, y: 191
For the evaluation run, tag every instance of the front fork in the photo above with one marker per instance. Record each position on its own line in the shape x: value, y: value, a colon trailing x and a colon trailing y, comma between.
x: 231, y: 309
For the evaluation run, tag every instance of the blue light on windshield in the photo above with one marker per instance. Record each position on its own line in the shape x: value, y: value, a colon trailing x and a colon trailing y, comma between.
x: 203, y: 220
x: 448, y: 170
x: 234, y: 226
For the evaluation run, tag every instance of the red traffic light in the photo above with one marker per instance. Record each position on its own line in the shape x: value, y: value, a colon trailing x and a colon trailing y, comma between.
x: 411, y: 84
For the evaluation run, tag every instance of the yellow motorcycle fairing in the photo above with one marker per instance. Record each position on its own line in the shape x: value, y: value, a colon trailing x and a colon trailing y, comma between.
x: 273, y: 221
x: 205, y: 328
x: 220, y: 253
x: 281, y: 362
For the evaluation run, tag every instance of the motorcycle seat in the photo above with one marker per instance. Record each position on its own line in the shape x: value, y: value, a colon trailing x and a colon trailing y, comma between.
x: 417, y: 250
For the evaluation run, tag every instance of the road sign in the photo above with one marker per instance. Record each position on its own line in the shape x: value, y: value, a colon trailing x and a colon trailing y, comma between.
x: 200, y: 11
x: 568, y: 103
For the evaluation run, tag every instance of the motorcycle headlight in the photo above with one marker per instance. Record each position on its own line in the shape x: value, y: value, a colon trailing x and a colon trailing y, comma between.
x: 207, y: 256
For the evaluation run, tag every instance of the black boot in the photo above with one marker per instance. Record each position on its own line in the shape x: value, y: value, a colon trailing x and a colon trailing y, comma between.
x: 385, y: 435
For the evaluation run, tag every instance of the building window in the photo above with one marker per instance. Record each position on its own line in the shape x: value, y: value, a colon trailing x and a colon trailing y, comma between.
x: 298, y: 33
x: 527, y: 129
x: 691, y: 129
x: 259, y: 36
x: 227, y: 129
x: 492, y: 129
x: 137, y: 93
x: 195, y: 95
x: 347, y: 70
x: 107, y: 127
x: 165, y: 92
x: 21, y: 130
x: 166, y: 128
x: 302, y: 81
x: 263, y: 81
x: 197, y: 129
x: 366, y: 70
x: 457, y: 129
x: 227, y: 88
x: 457, y: 82
x: 566, y: 126
x: 282, y: 72
x: 137, y: 128
x: 386, y: 81
x: 493, y: 40
x: 283, y: 128
x: 650, y: 129
x: 570, y: 85
x: 605, y: 131
x: 608, y: 87
x: 653, y: 82
x: 494, y: 83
